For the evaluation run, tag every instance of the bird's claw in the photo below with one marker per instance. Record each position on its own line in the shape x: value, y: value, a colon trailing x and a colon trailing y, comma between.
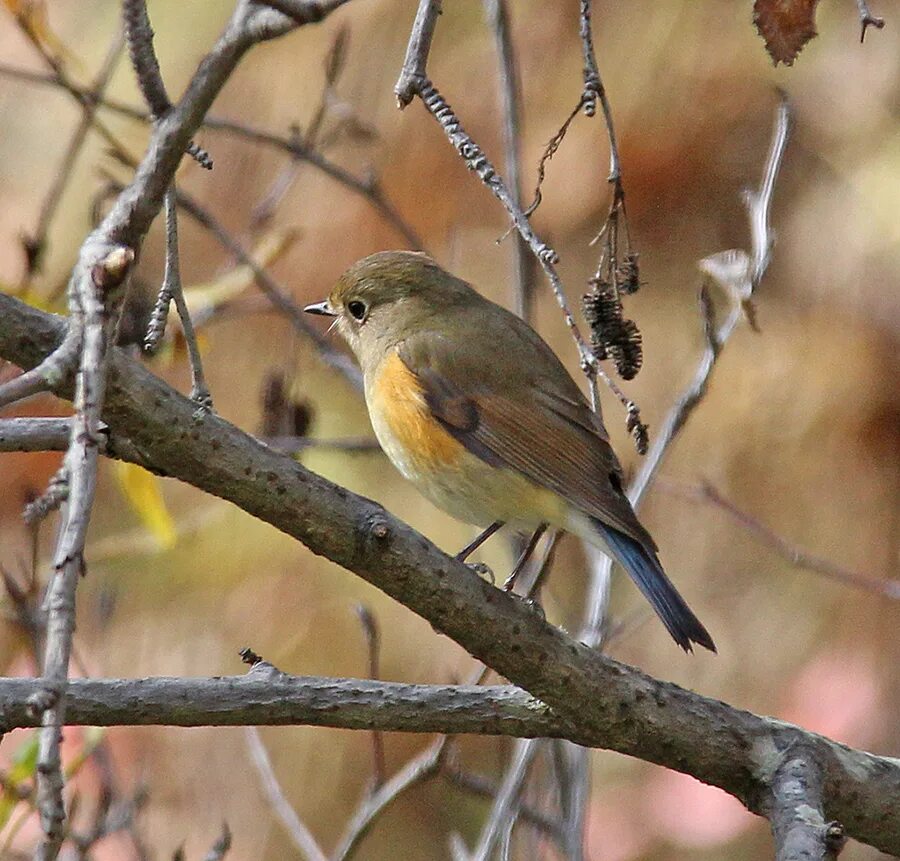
x: 482, y: 570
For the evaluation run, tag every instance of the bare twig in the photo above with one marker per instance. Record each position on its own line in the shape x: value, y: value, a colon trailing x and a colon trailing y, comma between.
x: 503, y: 815
x: 367, y: 188
x: 35, y: 434
x: 497, y: 14
x: 797, y: 556
x: 172, y: 290
x: 300, y: 835
x: 35, y: 243
x: 412, y: 75
x: 294, y: 444
x: 593, y: 90
x: 484, y: 787
x: 420, y: 768
x: 800, y: 830
x: 740, y: 274
x: 373, y: 644
x: 867, y: 19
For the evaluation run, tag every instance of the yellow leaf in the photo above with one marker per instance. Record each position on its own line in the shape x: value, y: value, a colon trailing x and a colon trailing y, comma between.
x: 142, y: 490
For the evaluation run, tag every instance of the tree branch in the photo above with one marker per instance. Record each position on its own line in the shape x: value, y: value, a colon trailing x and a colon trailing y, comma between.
x: 800, y: 831
x: 619, y: 707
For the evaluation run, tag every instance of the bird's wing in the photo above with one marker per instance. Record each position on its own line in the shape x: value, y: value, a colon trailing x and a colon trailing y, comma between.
x: 533, y: 424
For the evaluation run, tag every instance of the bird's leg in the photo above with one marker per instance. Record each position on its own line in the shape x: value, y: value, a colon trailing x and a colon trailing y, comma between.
x: 472, y: 546
x: 523, y: 559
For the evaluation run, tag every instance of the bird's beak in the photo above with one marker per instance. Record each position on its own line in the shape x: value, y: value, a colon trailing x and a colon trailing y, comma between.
x: 323, y: 309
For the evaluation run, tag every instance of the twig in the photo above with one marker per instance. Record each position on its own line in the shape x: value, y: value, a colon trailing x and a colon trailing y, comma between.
x: 367, y: 188
x: 575, y: 788
x: 35, y: 434
x: 867, y: 19
x: 740, y: 274
x: 36, y: 243
x: 797, y: 556
x: 484, y: 787
x: 373, y: 641
x: 23, y: 386
x: 300, y: 835
x: 593, y: 90
x: 412, y: 75
x: 497, y: 14
x: 221, y: 847
x: 93, y: 298
x: 420, y: 768
x: 294, y: 444
x: 172, y: 290
x: 800, y: 830
x: 504, y: 812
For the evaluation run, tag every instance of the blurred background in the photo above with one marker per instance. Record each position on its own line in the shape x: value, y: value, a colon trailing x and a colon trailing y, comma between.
x: 799, y: 430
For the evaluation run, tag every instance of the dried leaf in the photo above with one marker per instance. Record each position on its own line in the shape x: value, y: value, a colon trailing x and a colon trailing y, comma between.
x: 142, y: 490
x: 786, y: 26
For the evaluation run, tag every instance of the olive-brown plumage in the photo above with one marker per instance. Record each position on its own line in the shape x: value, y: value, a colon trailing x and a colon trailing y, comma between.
x: 471, y: 405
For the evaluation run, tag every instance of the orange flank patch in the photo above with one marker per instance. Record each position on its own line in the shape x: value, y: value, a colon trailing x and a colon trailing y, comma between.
x: 402, y: 412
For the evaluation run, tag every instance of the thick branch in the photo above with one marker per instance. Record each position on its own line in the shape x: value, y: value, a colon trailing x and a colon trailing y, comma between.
x: 630, y: 712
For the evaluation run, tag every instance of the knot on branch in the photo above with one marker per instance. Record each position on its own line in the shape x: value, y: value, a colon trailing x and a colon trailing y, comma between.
x: 112, y: 270
x: 377, y: 527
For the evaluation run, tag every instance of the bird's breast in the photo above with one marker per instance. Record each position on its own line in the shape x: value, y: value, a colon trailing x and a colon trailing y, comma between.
x: 440, y: 466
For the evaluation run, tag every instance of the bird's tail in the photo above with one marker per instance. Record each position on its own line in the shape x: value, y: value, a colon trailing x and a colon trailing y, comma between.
x: 645, y: 569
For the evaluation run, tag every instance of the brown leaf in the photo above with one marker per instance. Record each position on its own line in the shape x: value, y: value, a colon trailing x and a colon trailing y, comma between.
x: 786, y: 26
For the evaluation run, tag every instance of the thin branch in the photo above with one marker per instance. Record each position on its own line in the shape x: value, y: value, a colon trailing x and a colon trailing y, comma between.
x: 797, y: 556
x: 366, y: 188
x: 93, y: 296
x: 373, y: 646
x: 612, y: 705
x: 420, y: 768
x: 800, y: 830
x: 300, y: 835
x: 23, y: 386
x: 36, y: 243
x: 740, y: 274
x: 412, y: 75
x: 497, y: 14
x: 504, y: 811
x: 484, y: 787
x: 172, y: 290
x: 35, y: 434
x: 280, y: 298
x: 593, y: 90
x: 867, y: 19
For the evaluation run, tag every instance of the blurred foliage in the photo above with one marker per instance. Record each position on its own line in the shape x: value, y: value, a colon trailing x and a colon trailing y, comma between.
x: 801, y: 427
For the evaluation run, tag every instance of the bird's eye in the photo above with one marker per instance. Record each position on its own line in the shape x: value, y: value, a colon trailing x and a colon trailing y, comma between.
x: 357, y: 309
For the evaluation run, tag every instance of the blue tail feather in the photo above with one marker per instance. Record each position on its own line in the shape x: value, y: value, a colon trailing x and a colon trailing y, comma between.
x: 645, y: 569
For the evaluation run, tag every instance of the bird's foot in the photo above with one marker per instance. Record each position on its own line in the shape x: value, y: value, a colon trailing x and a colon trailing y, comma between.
x: 482, y: 570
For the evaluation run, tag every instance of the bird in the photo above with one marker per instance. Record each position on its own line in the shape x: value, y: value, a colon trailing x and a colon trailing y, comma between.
x: 477, y: 411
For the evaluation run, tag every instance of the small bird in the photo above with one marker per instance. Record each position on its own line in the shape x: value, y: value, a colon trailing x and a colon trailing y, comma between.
x: 475, y: 409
